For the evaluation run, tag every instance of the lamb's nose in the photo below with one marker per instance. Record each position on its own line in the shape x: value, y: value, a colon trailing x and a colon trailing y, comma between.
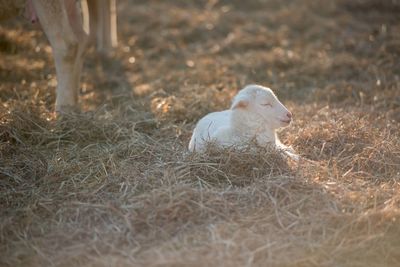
x: 289, y: 115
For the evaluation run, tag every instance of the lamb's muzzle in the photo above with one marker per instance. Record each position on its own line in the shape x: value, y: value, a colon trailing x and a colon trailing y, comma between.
x: 289, y: 118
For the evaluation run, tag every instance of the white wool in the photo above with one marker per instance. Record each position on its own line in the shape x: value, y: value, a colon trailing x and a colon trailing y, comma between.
x: 255, y: 114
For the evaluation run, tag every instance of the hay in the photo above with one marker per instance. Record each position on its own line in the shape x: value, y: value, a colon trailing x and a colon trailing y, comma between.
x: 114, y: 185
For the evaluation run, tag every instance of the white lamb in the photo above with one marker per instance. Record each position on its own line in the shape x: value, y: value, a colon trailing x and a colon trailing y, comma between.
x: 255, y: 114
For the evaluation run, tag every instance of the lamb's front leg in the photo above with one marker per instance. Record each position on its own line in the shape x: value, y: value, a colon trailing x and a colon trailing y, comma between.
x: 287, y: 150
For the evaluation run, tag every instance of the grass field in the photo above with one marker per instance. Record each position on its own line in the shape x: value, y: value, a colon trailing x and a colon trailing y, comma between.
x: 114, y: 184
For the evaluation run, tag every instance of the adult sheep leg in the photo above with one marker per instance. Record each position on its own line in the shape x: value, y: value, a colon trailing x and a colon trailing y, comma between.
x: 62, y: 24
x: 103, y: 23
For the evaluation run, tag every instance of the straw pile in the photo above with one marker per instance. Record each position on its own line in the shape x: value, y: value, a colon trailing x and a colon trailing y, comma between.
x: 115, y: 186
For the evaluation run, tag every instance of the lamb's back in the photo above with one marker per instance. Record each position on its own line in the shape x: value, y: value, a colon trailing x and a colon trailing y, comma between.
x: 207, y: 127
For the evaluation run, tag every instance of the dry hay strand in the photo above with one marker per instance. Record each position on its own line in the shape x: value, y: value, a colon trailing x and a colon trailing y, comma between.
x: 115, y: 187
x: 233, y: 166
x: 32, y: 125
x: 352, y: 144
x: 329, y: 136
x: 192, y: 102
x: 23, y: 125
x: 9, y: 9
x: 306, y: 230
x: 21, y: 164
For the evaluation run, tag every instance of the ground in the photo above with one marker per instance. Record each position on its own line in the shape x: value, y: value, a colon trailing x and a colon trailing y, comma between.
x: 114, y: 185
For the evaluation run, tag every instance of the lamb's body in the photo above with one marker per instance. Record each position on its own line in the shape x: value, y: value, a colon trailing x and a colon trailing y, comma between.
x: 214, y: 126
x: 255, y: 115
x: 222, y: 128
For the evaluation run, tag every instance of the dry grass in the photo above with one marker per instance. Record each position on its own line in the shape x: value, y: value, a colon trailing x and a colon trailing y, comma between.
x: 115, y: 186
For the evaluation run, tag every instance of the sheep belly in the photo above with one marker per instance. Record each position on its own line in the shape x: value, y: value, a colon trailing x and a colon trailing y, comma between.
x: 213, y: 126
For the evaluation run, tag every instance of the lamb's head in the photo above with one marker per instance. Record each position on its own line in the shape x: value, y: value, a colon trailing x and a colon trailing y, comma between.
x: 261, y: 104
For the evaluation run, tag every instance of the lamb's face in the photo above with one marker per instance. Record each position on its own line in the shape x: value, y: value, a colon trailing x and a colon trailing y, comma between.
x: 274, y: 113
x: 262, y: 103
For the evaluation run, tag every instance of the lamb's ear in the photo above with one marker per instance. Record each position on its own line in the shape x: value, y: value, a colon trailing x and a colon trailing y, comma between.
x: 241, y: 103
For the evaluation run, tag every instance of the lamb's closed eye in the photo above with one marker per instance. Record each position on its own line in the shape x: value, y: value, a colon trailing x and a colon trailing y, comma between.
x: 266, y: 104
